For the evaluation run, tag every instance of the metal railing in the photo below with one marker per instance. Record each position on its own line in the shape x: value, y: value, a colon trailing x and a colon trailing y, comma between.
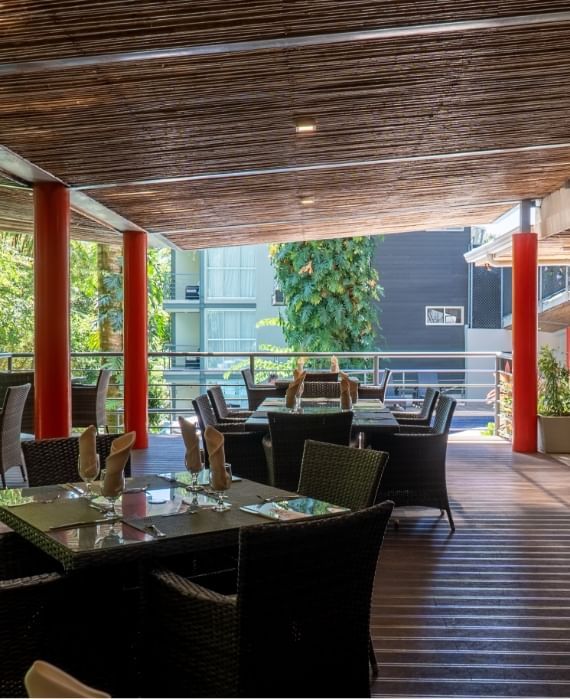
x: 476, y: 379
x: 182, y: 287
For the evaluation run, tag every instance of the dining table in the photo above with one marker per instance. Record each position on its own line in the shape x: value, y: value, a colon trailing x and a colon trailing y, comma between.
x: 157, y: 516
x: 370, y: 415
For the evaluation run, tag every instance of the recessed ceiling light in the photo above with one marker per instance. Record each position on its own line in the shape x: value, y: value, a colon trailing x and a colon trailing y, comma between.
x: 307, y: 201
x: 305, y: 125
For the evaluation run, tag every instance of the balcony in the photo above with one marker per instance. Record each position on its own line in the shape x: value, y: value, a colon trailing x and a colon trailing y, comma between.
x: 182, y: 293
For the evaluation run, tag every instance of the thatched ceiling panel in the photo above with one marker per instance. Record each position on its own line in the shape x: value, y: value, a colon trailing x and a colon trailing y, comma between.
x: 17, y: 216
x: 397, y: 98
x: 40, y: 29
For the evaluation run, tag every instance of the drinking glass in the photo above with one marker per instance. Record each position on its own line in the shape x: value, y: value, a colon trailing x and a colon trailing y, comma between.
x: 298, y: 398
x: 88, y: 476
x: 112, y: 490
x: 194, y: 486
x: 222, y: 505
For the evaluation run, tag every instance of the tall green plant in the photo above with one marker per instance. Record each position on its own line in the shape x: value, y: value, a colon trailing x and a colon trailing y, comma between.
x: 329, y: 287
x: 553, y: 385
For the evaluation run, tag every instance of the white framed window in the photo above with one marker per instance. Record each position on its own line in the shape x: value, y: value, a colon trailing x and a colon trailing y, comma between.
x: 444, y: 315
x: 229, y: 331
x: 230, y: 273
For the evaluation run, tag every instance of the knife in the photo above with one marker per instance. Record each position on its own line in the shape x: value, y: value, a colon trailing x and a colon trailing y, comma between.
x: 83, y: 523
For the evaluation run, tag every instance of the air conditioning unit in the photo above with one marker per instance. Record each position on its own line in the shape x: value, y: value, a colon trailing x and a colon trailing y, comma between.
x: 278, y: 299
x: 192, y: 292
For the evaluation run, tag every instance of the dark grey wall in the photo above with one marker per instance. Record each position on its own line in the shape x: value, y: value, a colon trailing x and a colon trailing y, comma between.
x: 419, y: 270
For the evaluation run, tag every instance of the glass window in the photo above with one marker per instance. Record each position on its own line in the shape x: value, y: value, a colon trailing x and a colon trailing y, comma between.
x: 230, y: 273
x: 229, y: 331
x: 444, y: 315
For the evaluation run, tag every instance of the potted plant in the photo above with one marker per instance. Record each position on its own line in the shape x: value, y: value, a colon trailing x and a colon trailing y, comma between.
x: 553, y: 404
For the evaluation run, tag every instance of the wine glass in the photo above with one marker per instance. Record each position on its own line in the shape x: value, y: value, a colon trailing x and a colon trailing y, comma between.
x: 113, y: 486
x: 194, y: 486
x: 298, y: 398
x: 222, y: 505
x: 88, y: 472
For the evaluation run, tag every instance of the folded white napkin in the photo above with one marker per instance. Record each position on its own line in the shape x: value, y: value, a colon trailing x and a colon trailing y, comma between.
x: 193, y: 459
x: 46, y: 680
x: 114, y: 482
x: 88, y: 452
x: 215, y: 445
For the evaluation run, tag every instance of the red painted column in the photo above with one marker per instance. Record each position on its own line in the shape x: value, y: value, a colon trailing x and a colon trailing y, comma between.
x: 52, y: 380
x: 135, y: 335
x: 525, y: 337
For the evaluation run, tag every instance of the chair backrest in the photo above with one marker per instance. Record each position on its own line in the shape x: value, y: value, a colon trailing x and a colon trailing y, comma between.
x: 248, y: 378
x: 321, y: 376
x: 50, y: 461
x: 11, y: 426
x: 204, y: 412
x: 321, y: 389
x: 303, y: 597
x: 218, y: 402
x: 341, y: 475
x: 428, y: 405
x: 385, y: 378
x: 88, y: 401
x: 444, y: 414
x: 18, y: 378
x: 289, y: 431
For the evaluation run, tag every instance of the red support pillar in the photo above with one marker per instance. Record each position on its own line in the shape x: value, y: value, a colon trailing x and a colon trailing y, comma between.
x: 135, y: 336
x: 52, y: 380
x: 525, y: 337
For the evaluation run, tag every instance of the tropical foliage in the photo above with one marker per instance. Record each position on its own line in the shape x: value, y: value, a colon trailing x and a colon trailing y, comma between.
x: 553, y: 385
x: 329, y: 287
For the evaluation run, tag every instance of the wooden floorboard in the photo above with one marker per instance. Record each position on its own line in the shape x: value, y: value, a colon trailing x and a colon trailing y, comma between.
x: 483, y: 612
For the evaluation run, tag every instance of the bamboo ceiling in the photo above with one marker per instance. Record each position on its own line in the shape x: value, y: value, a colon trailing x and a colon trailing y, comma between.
x: 458, y: 126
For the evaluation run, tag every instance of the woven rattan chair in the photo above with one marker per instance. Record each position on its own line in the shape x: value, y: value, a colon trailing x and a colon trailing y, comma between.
x: 51, y: 461
x: 377, y: 390
x: 10, y: 429
x: 31, y: 590
x: 19, y: 378
x: 343, y: 476
x: 243, y: 449
x: 88, y: 402
x: 297, y: 623
x: 321, y: 389
x: 424, y: 415
x: 286, y: 441
x: 321, y: 376
x: 256, y: 393
x: 221, y: 408
x: 415, y: 474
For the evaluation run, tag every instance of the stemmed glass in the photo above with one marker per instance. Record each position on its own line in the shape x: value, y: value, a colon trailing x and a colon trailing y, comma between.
x: 222, y: 504
x: 194, y: 486
x: 298, y: 398
x: 112, y: 490
x: 88, y: 473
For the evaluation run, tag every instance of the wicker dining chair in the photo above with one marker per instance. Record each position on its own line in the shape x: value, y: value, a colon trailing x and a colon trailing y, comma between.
x: 415, y: 474
x: 286, y: 441
x: 31, y: 589
x: 375, y: 390
x: 424, y: 415
x: 10, y: 429
x: 256, y: 393
x: 242, y: 448
x: 321, y: 376
x: 19, y: 378
x: 50, y: 461
x: 343, y: 476
x: 321, y: 389
x: 88, y: 402
x: 221, y: 409
x: 295, y: 625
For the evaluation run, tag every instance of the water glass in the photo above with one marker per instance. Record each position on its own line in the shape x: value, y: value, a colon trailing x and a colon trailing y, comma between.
x: 222, y: 504
x: 88, y: 475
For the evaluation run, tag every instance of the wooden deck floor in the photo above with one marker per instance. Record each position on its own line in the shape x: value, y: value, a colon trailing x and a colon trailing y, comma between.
x: 483, y: 612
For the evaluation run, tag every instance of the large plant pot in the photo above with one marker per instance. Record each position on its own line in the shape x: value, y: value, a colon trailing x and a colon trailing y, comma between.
x: 554, y: 434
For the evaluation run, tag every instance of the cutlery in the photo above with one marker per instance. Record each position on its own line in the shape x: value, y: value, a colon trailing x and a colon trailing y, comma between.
x: 277, y: 498
x: 73, y: 488
x: 147, y: 528
x: 82, y: 523
x: 154, y: 530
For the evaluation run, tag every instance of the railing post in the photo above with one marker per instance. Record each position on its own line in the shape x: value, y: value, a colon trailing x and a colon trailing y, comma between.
x: 497, y: 404
x: 252, y: 366
x: 376, y: 370
x: 10, y: 363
